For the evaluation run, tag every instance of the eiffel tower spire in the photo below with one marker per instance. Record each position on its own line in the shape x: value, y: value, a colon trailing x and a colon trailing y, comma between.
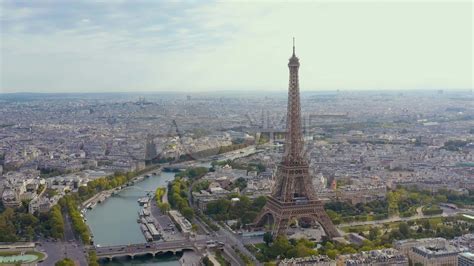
x: 293, y: 46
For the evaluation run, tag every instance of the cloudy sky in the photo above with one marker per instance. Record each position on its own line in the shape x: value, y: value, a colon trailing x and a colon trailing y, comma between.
x: 111, y: 46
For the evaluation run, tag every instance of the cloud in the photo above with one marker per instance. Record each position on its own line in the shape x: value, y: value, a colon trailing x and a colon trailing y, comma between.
x: 129, y: 46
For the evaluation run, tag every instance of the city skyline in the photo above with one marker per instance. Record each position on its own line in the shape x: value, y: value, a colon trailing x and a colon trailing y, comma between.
x: 172, y: 133
x: 92, y: 47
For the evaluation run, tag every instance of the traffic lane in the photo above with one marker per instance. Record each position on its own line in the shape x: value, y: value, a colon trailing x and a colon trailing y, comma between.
x: 76, y: 252
x: 69, y: 234
x: 59, y: 250
x: 55, y: 253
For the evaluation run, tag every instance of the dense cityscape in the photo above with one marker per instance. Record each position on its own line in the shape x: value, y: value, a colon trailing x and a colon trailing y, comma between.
x: 393, y: 169
x: 176, y: 133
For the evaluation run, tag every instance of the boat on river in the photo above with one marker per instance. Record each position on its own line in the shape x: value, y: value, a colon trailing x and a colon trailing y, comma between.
x: 143, y: 201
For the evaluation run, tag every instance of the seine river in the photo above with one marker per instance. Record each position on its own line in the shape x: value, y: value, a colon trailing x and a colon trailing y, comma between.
x: 114, y: 222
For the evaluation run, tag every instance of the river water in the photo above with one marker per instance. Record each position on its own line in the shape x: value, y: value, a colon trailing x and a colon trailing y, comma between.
x: 114, y: 222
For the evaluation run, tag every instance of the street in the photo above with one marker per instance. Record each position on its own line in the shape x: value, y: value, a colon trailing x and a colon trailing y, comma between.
x: 69, y: 247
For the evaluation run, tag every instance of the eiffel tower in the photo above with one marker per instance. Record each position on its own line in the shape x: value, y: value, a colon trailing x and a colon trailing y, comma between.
x: 293, y: 196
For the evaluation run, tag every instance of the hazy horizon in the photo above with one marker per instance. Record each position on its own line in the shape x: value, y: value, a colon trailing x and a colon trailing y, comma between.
x: 145, y: 47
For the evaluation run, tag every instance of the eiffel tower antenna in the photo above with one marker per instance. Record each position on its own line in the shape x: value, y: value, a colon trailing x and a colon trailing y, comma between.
x: 293, y: 46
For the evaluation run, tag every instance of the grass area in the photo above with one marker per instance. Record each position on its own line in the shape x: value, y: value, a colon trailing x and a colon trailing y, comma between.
x: 247, y: 260
x: 446, y: 227
x: 410, y: 212
x: 9, y: 253
x: 221, y: 259
x: 388, y: 226
x: 40, y: 255
x: 432, y: 210
x: 356, y: 228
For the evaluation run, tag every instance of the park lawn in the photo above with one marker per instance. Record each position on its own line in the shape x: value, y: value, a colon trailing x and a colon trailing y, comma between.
x: 220, y: 258
x: 391, y: 225
x: 9, y: 253
x: 356, y: 228
x: 40, y: 255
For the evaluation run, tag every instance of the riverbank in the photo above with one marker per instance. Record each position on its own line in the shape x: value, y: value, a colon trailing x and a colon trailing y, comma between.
x: 103, y: 195
x: 114, y: 222
x: 152, y: 171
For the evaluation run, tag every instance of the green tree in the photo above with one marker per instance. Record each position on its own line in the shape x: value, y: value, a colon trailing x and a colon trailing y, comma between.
x: 404, y: 229
x: 188, y: 213
x: 56, y: 222
x: 373, y: 233
x: 302, y: 250
x: 164, y: 207
x: 65, y: 262
x: 207, y: 261
x: 328, y: 245
x: 332, y: 253
x: 259, y: 202
x: 280, y: 247
x: 348, y: 250
x: 267, y: 238
x: 419, y: 230
x: 427, y: 224
x: 92, y: 259
x: 7, y: 227
x: 441, y: 198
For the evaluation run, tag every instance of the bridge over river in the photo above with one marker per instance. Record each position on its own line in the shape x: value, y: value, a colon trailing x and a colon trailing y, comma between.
x: 154, y: 248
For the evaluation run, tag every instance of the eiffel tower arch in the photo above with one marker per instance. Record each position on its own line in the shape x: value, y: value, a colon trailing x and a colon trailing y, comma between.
x: 293, y: 196
x: 278, y: 216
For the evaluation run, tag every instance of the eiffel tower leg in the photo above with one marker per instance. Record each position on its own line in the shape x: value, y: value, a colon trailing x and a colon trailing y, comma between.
x: 326, y: 223
x: 276, y: 227
x: 261, y: 218
x: 280, y: 226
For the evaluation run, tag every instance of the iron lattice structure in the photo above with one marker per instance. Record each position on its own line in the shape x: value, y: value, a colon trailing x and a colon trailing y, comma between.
x: 293, y: 196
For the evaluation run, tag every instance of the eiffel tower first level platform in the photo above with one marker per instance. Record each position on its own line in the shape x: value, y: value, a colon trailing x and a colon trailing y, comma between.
x: 280, y: 214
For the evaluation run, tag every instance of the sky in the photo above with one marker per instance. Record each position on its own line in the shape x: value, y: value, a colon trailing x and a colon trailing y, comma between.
x: 154, y: 46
